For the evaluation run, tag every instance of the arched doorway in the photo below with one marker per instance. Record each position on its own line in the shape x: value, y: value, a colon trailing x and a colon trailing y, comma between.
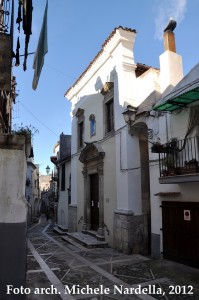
x: 92, y: 158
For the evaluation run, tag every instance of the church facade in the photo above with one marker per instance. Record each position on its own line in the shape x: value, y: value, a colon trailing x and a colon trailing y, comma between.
x: 110, y: 190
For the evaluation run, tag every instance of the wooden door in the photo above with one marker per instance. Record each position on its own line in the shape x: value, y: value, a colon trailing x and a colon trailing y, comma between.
x: 94, y: 201
x: 181, y: 232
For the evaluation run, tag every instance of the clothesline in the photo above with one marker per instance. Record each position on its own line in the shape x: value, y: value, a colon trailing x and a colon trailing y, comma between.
x: 27, y: 54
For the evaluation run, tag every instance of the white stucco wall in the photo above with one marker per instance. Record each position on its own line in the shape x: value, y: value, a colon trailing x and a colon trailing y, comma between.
x: 128, y: 172
x: 179, y: 124
x: 12, y: 181
x: 146, y: 83
x: 171, y: 71
x: 110, y: 193
x: 80, y: 195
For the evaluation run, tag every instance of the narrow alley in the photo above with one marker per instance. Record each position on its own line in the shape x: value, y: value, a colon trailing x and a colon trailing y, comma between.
x: 59, y: 270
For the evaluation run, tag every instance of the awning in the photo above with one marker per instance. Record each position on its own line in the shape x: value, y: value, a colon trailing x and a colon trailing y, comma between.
x: 179, y: 101
x: 184, y: 93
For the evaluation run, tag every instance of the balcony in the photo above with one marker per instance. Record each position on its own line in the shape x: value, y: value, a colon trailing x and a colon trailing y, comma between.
x: 178, y: 160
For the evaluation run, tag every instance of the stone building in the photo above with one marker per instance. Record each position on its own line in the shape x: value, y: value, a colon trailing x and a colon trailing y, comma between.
x: 44, y: 182
x: 32, y: 192
x: 62, y: 178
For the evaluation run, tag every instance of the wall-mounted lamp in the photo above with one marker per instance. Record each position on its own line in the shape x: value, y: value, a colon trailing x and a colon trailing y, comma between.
x: 129, y: 115
x: 47, y: 170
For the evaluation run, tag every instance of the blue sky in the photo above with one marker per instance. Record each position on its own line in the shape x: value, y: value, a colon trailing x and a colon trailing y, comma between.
x: 76, y: 31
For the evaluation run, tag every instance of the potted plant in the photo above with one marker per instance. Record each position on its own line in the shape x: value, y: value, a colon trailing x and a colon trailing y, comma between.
x: 169, y: 165
x: 27, y: 131
x: 191, y: 166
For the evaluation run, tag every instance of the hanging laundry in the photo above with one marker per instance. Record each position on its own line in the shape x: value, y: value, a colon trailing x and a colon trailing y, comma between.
x: 26, y: 52
x: 19, y: 18
x: 27, y: 26
x: 17, y: 63
x: 27, y: 17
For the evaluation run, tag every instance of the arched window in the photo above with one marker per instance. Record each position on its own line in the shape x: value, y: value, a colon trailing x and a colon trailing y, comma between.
x: 92, y: 125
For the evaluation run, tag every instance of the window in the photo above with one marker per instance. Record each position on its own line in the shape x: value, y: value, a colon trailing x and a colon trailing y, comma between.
x: 80, y: 127
x: 92, y: 125
x: 109, y: 116
x: 63, y: 177
x: 80, y: 134
x: 108, y: 93
x: 69, y: 190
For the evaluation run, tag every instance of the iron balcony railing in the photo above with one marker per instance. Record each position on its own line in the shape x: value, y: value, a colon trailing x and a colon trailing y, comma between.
x: 179, y: 157
x: 6, y: 16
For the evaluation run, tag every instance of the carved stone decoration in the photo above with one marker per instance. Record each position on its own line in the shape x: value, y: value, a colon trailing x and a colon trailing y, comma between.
x: 92, y: 158
x: 107, y: 88
x: 79, y: 112
x: 92, y: 151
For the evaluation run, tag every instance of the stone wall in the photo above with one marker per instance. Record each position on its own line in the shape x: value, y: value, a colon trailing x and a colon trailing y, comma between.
x: 131, y: 233
x: 155, y: 246
x: 72, y: 218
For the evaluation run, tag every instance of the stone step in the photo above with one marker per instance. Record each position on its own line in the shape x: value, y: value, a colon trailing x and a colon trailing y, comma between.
x: 63, y: 228
x: 86, y: 240
x: 59, y: 231
x: 90, y: 232
x: 93, y: 233
x: 72, y: 242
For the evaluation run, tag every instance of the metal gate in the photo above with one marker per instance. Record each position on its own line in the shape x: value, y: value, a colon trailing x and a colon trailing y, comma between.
x: 180, y: 222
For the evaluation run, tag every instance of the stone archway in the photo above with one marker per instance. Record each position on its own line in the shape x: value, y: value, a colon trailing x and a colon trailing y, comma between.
x: 92, y: 157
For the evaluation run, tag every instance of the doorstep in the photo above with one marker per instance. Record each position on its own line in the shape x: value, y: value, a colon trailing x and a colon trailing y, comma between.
x: 86, y: 240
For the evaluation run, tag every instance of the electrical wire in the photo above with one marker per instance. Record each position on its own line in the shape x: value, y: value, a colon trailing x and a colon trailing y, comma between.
x: 38, y: 119
x: 59, y: 71
x: 100, y: 141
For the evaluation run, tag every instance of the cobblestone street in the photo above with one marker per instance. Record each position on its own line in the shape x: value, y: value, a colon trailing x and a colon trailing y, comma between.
x: 54, y: 264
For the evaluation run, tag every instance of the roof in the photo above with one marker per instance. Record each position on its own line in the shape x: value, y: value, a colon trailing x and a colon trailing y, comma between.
x: 31, y: 164
x: 142, y: 68
x: 99, y: 53
x: 64, y: 159
x: 53, y: 159
x: 184, y: 93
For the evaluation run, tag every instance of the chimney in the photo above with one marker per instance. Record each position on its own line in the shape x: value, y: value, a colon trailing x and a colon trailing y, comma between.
x: 169, y: 41
x: 171, y: 71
